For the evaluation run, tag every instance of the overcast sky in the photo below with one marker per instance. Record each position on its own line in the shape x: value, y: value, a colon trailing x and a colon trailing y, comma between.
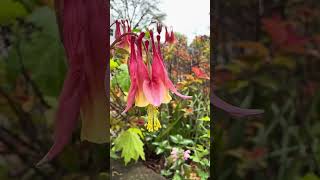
x: 187, y: 17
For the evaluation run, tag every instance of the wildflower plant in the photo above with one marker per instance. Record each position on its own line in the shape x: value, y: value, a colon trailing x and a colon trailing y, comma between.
x: 146, y: 72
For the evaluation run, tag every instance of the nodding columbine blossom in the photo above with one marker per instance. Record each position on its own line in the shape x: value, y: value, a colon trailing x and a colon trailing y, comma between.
x: 159, y: 28
x: 125, y: 41
x: 169, y: 38
x: 149, y: 86
x: 83, y: 92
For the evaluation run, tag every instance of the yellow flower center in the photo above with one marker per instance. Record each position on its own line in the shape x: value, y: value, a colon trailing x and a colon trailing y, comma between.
x: 153, y: 123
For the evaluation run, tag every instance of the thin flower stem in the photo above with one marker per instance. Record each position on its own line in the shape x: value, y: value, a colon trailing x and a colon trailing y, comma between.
x: 119, y: 39
x: 112, y: 24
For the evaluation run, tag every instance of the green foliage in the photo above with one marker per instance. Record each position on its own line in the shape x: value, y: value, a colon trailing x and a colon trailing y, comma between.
x: 130, y: 144
x: 178, y: 139
x: 162, y: 146
x: 10, y: 10
x: 310, y: 176
x: 39, y: 51
x: 3, y: 172
x: 113, y: 65
x: 121, y: 78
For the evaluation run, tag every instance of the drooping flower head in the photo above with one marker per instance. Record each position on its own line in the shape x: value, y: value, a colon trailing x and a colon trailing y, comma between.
x: 125, y: 40
x: 149, y: 86
x: 83, y: 92
x: 169, y: 37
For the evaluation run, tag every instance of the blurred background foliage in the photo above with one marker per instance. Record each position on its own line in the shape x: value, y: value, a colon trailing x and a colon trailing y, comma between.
x: 32, y: 71
x: 267, y: 56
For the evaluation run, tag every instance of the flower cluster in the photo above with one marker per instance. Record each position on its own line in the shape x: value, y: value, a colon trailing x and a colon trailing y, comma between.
x: 170, y: 38
x: 126, y: 28
x: 150, y: 83
x: 176, y: 154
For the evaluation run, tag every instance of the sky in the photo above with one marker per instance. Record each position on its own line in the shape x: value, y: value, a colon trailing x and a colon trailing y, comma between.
x: 188, y: 17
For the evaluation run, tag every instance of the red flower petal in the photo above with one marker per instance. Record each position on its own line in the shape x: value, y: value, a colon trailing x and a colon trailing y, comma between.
x: 85, y: 43
x: 233, y: 110
x: 160, y: 70
x: 133, y: 76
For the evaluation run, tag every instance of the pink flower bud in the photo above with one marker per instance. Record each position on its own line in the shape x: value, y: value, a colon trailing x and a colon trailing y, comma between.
x: 186, y: 154
x: 159, y: 28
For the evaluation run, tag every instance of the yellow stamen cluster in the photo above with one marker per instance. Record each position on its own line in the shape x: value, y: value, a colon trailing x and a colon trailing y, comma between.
x: 153, y: 123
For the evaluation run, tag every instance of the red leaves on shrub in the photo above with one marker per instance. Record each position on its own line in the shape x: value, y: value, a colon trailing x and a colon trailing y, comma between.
x: 200, y: 73
x: 284, y: 35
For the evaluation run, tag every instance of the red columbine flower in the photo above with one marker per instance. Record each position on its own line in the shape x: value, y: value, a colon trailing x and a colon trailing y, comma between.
x: 169, y: 38
x: 172, y: 37
x: 125, y: 41
x: 149, y: 86
x: 159, y: 28
x: 85, y: 43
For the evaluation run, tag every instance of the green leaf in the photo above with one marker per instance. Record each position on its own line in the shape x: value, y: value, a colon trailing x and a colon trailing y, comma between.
x: 175, y: 139
x: 10, y: 10
x: 113, y: 64
x: 159, y: 150
x: 136, y: 30
x: 177, y: 177
x: 122, y: 78
x: 137, y: 131
x: 266, y: 81
x: 203, y: 175
x: 42, y: 55
x: 186, y: 142
x: 236, y: 86
x: 45, y: 18
x: 178, y: 139
x: 130, y: 144
x: 310, y: 176
x: 206, y: 118
x: 284, y: 62
x: 113, y: 154
x: 4, y: 172
x: 121, y: 51
x: 104, y: 176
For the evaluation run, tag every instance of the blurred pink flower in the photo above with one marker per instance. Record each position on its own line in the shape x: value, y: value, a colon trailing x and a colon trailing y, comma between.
x: 169, y: 37
x: 186, y: 154
x: 174, y: 154
x: 83, y: 94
